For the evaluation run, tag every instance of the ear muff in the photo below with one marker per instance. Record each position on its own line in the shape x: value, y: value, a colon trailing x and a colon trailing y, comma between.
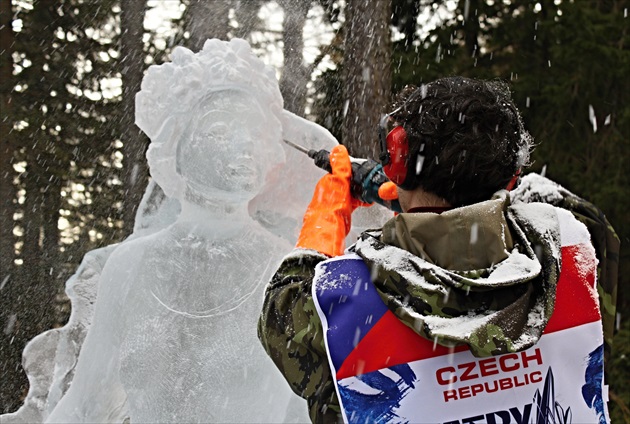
x: 395, y: 156
x: 512, y: 184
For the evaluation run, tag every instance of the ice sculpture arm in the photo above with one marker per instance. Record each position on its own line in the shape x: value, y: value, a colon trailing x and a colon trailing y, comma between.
x: 328, y: 217
x: 306, y: 133
x: 291, y: 333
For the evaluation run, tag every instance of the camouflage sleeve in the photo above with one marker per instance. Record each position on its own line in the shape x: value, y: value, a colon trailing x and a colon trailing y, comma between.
x: 291, y: 333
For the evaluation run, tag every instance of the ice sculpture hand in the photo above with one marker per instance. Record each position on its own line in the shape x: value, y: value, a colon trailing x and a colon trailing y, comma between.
x: 327, y: 219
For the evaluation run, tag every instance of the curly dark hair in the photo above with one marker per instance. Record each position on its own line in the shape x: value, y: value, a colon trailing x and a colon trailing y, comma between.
x: 466, y: 138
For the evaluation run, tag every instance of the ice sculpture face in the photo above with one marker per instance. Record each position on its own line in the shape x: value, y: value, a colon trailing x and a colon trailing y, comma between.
x: 176, y: 95
x: 225, y: 153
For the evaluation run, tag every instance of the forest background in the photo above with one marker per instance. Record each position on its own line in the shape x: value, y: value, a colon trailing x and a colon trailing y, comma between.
x: 72, y: 166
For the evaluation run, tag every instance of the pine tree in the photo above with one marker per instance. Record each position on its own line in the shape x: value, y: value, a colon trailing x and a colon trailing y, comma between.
x: 134, y: 141
x: 57, y: 68
x: 8, y: 189
x: 295, y: 74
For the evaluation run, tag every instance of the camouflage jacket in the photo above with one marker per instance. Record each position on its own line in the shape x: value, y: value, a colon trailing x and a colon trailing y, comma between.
x: 430, y: 270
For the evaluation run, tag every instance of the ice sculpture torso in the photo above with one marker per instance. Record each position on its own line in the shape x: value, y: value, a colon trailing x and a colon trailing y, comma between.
x: 191, y: 352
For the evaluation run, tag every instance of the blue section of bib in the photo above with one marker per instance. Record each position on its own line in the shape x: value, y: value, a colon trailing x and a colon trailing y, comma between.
x: 349, y: 302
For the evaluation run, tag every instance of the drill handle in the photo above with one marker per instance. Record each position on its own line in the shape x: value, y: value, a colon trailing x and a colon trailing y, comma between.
x: 367, y: 177
x: 321, y: 158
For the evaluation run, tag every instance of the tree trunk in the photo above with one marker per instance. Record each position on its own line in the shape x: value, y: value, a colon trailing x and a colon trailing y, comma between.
x: 471, y: 26
x: 7, y: 146
x: 246, y: 14
x: 367, y: 74
x: 207, y: 19
x: 294, y: 73
x: 51, y: 204
x: 29, y: 300
x: 134, y: 141
x: 13, y: 380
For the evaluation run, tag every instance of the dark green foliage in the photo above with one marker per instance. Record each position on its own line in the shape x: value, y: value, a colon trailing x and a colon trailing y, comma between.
x: 64, y: 134
x: 619, y: 403
x: 332, y: 9
x: 404, y: 16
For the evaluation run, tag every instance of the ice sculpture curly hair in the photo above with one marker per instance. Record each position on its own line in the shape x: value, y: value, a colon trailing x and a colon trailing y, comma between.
x: 171, y: 92
x: 175, y: 86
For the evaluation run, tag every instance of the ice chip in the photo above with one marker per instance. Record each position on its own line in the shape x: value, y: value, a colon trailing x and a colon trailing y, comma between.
x: 592, y: 118
x: 357, y: 337
x: 419, y: 164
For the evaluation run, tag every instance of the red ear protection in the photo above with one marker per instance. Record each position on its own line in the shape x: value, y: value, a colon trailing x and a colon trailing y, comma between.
x: 513, y: 181
x: 394, y: 154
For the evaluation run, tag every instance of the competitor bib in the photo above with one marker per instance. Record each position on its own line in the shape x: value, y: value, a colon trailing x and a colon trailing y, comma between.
x: 385, y: 372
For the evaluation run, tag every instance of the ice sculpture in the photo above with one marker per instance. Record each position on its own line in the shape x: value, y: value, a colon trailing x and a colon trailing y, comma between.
x: 174, y: 331
x: 51, y: 357
x: 173, y: 335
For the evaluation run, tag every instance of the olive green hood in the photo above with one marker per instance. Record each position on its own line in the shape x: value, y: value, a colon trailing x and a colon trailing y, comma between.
x: 484, y: 275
